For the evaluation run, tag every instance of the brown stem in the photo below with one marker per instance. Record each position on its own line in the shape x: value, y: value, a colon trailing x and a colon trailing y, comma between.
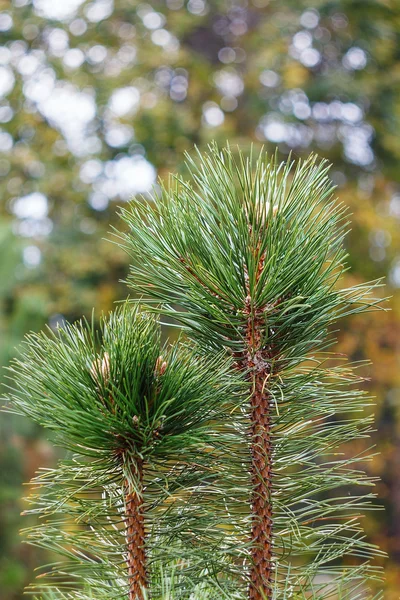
x: 261, y: 473
x: 261, y: 467
x: 135, y: 538
x: 257, y: 364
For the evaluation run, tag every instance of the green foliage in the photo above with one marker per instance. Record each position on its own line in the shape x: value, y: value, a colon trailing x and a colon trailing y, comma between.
x: 78, y: 270
x: 201, y: 247
x: 244, y: 242
x: 118, y: 399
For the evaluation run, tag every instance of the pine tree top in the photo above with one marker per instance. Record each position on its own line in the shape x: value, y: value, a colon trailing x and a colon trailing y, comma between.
x: 205, y: 237
x: 117, y: 389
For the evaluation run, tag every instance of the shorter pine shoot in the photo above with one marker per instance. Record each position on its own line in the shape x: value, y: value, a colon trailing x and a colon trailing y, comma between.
x: 128, y: 512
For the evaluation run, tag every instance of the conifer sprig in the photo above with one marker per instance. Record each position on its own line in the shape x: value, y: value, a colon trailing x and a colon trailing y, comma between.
x: 146, y: 426
x: 248, y: 256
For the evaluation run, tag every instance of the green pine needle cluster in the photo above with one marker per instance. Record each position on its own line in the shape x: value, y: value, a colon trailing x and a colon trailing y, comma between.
x: 114, y: 398
x: 256, y: 239
x: 163, y: 494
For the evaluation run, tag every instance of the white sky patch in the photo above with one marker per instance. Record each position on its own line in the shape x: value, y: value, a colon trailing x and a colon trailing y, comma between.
x: 394, y: 206
x: 127, y: 54
x: 31, y: 206
x: 197, y: 7
x: 213, y: 116
x: 355, y: 59
x: 31, y: 212
x: 59, y: 10
x: 124, y: 101
x: 310, y: 57
x: 91, y: 170
x: 33, y: 227
x: 356, y: 141
x: 126, y: 177
x: 161, y: 37
x: 7, y: 80
x: 6, y: 141
x: 298, y: 136
x: 58, y: 41
x: 321, y: 112
x: 394, y: 274
x: 179, y: 88
x: 6, y: 21
x: 310, y: 19
x: 336, y: 109
x: 39, y: 87
x: 302, y: 40
x: 98, y: 201
x: 73, y: 58
x: 96, y: 54
x: 70, y: 111
x: 5, y: 55
x: 99, y: 10
x: 78, y: 27
x: 6, y: 113
x: 301, y: 110
x: 117, y: 135
x: 351, y: 112
x: 269, y: 78
x: 275, y: 131
x: 152, y: 19
x: 28, y: 65
x: 32, y: 256
x: 229, y: 82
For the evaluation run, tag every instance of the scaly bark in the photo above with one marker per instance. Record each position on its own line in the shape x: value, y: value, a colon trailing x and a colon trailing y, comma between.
x: 257, y: 364
x: 135, y: 539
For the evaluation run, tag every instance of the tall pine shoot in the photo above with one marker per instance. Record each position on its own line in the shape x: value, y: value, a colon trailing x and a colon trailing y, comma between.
x: 248, y: 257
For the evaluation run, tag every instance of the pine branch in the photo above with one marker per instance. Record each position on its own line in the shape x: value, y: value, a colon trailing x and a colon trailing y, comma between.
x: 255, y: 363
x: 136, y: 537
x: 248, y: 257
x: 148, y: 428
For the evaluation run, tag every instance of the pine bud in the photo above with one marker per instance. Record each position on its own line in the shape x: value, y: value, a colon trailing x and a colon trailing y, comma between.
x: 263, y: 211
x: 274, y: 208
x: 161, y: 366
x: 101, y: 366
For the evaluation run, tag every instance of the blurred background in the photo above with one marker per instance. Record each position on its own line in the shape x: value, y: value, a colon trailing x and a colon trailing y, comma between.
x: 98, y: 98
